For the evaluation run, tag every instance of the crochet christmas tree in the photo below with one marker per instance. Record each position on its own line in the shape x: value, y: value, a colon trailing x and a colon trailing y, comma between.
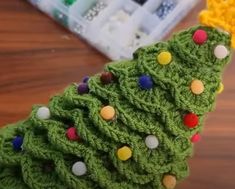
x: 131, y: 127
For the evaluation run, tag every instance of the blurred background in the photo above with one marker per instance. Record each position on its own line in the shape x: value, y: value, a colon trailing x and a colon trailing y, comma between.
x: 39, y: 57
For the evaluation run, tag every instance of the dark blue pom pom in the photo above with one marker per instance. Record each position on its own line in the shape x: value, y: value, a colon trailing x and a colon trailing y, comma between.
x: 17, y: 143
x: 145, y: 82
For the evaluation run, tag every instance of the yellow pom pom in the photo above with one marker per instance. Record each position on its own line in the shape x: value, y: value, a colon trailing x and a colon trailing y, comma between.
x: 107, y: 113
x: 169, y: 181
x: 164, y: 58
x: 124, y: 153
x: 197, y: 87
x: 221, y: 88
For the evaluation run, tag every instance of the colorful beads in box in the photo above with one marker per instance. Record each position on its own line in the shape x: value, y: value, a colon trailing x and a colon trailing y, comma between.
x: 95, y: 10
x: 165, y: 8
x: 117, y: 28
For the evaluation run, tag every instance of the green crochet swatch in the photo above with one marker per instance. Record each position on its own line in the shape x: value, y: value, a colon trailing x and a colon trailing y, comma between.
x: 47, y: 155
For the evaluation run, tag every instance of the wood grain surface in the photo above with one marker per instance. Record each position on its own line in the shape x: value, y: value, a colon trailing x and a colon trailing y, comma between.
x: 38, y: 58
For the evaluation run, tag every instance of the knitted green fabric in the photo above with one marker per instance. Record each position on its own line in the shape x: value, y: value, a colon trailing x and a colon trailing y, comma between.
x: 47, y: 155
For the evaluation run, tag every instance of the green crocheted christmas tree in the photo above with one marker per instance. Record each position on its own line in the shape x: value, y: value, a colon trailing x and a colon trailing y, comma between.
x: 131, y: 127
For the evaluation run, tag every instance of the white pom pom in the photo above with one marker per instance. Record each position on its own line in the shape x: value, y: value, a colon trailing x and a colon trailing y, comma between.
x: 221, y: 52
x: 79, y: 168
x: 151, y: 142
x: 43, y: 113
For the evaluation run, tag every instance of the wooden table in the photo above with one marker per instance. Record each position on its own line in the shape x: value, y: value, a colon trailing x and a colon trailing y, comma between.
x: 39, y: 58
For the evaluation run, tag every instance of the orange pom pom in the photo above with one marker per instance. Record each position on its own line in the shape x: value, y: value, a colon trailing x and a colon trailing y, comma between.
x: 107, y: 113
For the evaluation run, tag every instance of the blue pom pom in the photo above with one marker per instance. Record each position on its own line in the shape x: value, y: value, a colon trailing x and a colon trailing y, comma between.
x: 17, y: 143
x: 145, y: 82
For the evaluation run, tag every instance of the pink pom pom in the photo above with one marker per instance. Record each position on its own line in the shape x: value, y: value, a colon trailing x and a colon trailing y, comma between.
x: 200, y: 37
x: 195, y: 138
x: 71, y: 134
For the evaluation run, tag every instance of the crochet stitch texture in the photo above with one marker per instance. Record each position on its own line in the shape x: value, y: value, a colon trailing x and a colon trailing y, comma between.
x: 47, y: 155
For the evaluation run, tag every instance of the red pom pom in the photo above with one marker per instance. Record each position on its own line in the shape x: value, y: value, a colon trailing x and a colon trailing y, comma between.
x: 106, y: 78
x: 191, y: 120
x: 195, y: 138
x: 71, y: 134
x: 200, y: 37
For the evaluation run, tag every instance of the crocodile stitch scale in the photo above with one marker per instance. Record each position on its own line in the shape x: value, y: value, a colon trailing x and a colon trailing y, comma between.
x: 46, y: 157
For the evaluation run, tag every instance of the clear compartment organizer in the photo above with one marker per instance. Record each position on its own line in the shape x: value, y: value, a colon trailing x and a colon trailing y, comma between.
x: 117, y: 27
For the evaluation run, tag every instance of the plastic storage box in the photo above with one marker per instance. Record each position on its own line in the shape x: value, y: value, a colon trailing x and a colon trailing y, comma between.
x: 117, y: 27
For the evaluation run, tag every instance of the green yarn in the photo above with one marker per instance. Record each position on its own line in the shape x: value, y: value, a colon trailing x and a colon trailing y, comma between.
x: 139, y: 113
